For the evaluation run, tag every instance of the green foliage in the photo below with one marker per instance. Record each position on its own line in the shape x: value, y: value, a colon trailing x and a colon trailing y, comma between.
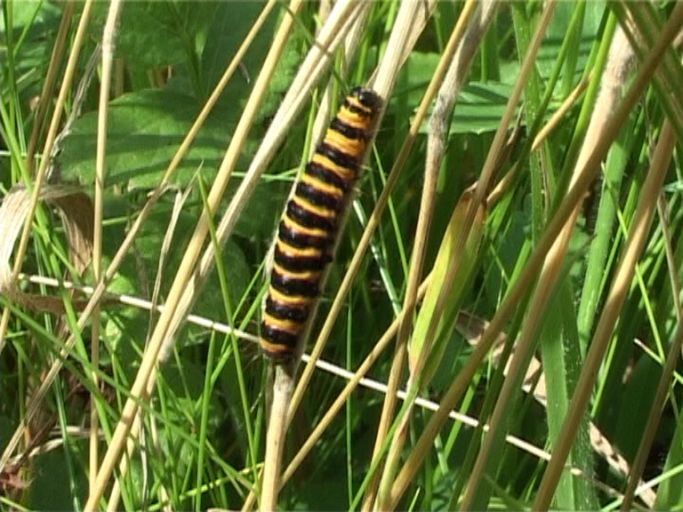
x: 144, y: 131
x: 205, y: 424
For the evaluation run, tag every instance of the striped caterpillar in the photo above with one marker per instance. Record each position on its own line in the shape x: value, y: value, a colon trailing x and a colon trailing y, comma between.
x: 307, y: 230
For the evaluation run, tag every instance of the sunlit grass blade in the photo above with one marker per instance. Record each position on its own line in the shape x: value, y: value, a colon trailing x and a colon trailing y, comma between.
x: 426, y: 355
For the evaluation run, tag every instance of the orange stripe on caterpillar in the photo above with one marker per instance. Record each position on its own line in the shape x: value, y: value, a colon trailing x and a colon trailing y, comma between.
x: 308, y: 227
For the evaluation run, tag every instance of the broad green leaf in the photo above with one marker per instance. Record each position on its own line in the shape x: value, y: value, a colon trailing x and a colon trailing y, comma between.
x: 52, y: 487
x: 145, y: 130
x: 260, y: 217
x: 479, y: 108
x: 171, y: 32
x: 226, y: 32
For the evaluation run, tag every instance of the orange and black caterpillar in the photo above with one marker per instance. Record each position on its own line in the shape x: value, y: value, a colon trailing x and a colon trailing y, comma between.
x: 306, y: 232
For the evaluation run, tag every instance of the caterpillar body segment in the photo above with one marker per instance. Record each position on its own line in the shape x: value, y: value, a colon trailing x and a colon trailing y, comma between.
x: 307, y: 230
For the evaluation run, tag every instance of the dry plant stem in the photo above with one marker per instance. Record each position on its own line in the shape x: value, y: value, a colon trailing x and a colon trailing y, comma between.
x: 339, y: 402
x: 314, y: 64
x: 34, y: 406
x: 165, y: 250
x: 115, y: 495
x: 455, y: 77
x: 283, y: 383
x: 389, y: 64
x: 322, y: 365
x: 322, y: 118
x: 135, y: 433
x: 422, y: 16
x: 490, y: 165
x: 417, y: 260
x: 50, y: 78
x: 180, y: 283
x: 665, y: 383
x: 344, y: 15
x: 636, y: 240
x: 551, y: 271
x: 352, y: 40
x: 543, y: 134
x: 619, y: 288
x: 559, y: 116
x: 45, y: 160
x: 395, y: 50
x: 98, y: 292
x: 518, y: 289
x: 321, y: 122
x: 108, y: 44
x: 398, y: 40
x: 324, y: 9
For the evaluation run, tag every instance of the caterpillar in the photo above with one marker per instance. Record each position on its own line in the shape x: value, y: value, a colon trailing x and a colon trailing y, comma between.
x: 307, y: 230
